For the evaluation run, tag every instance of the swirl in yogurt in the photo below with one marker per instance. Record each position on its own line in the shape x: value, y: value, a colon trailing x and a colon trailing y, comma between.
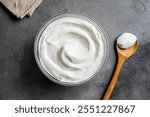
x: 71, y: 49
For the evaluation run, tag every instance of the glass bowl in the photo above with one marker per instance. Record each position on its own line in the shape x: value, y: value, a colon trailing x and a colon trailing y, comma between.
x: 82, y: 16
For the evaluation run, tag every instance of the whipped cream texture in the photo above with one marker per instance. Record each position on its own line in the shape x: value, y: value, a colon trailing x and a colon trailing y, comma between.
x: 71, y: 49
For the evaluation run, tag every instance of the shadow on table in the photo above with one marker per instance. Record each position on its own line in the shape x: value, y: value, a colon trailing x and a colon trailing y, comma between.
x: 9, y: 14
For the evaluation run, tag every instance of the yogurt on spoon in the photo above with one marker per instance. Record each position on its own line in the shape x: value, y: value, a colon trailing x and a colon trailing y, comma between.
x: 126, y: 40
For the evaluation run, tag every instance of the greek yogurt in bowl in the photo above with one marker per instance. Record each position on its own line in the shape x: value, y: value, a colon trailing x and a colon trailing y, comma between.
x: 70, y: 49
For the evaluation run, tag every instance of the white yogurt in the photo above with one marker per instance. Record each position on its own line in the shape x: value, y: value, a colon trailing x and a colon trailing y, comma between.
x: 71, y: 49
x: 126, y: 40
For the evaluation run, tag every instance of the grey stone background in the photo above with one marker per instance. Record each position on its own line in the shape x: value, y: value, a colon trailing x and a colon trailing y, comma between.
x: 20, y: 78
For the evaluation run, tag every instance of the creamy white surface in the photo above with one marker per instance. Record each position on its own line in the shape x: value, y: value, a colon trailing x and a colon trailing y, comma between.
x: 71, y: 49
x: 126, y: 40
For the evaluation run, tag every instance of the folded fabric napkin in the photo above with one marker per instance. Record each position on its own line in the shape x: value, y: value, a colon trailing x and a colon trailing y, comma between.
x: 21, y: 8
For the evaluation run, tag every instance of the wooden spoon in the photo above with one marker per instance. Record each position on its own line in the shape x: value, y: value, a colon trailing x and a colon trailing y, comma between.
x: 123, y: 55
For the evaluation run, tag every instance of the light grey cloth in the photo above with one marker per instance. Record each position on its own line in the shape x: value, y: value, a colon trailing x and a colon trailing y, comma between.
x: 21, y: 8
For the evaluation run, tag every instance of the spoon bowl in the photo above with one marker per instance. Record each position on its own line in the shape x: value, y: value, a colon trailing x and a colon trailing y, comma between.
x: 127, y: 52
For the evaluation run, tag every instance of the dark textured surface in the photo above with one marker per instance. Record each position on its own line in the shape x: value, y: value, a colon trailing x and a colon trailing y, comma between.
x: 20, y: 78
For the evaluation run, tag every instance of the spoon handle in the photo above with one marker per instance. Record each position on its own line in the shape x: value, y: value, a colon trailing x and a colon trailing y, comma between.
x: 112, y: 83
